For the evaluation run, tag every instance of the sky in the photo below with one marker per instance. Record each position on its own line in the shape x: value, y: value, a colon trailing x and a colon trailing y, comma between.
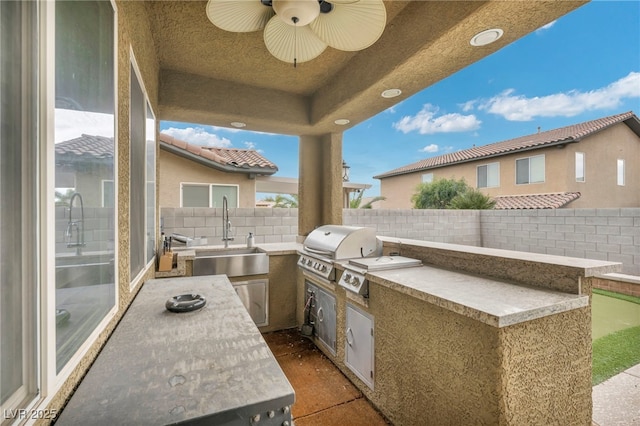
x: 583, y: 66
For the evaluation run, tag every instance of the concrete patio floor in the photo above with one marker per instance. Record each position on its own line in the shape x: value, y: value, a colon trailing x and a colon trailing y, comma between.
x: 616, y: 402
x: 324, y: 396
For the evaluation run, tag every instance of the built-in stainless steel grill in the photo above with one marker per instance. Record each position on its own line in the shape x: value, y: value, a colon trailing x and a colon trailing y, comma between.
x: 334, y: 242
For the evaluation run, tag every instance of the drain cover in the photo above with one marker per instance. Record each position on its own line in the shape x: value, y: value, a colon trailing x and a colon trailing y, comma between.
x: 185, y: 303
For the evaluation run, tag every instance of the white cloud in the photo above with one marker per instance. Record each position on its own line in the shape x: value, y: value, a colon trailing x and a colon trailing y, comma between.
x: 468, y: 106
x: 545, y: 27
x: 198, y: 136
x: 426, y: 122
x: 251, y: 145
x: 515, y: 107
x: 71, y: 124
x: 430, y: 148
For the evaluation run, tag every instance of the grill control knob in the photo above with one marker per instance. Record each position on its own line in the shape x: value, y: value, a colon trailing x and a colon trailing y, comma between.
x: 324, y: 268
x: 347, y: 277
x: 355, y: 281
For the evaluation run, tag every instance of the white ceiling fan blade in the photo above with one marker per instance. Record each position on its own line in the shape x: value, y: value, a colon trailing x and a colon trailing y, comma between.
x: 353, y: 26
x: 287, y: 42
x: 343, y: 1
x: 239, y: 16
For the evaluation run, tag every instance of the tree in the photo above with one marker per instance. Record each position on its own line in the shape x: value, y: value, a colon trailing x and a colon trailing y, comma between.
x: 472, y: 199
x: 282, y: 201
x: 437, y: 194
x: 450, y: 194
x: 356, y: 202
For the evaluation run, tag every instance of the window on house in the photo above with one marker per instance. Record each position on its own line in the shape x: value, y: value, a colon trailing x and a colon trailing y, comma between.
x: 84, y: 124
x: 530, y: 170
x: 208, y: 195
x: 488, y: 175
x: 579, y: 166
x: 620, y: 174
x: 18, y: 184
x: 427, y: 178
x: 108, y: 196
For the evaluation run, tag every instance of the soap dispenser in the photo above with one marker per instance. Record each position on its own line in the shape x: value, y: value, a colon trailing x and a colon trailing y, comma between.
x: 250, y: 240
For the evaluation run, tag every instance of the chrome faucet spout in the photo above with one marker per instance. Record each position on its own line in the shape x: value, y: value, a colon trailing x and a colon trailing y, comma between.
x: 77, y: 224
x: 226, y: 223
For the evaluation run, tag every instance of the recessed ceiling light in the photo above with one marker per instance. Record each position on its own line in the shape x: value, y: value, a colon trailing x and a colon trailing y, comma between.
x: 391, y: 93
x: 342, y: 121
x: 238, y: 124
x: 486, y: 37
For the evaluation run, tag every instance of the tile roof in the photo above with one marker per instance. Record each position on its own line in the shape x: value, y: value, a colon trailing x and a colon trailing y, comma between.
x: 232, y: 158
x: 87, y: 146
x: 535, y: 201
x: 562, y: 135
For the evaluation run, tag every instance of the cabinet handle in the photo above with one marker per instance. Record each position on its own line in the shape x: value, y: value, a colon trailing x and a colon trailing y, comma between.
x: 350, y: 342
x: 320, y: 314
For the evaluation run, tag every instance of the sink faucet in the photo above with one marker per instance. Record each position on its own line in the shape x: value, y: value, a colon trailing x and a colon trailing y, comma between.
x: 226, y: 223
x: 77, y: 224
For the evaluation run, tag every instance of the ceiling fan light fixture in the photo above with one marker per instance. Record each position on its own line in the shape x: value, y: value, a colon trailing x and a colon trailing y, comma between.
x: 297, y: 12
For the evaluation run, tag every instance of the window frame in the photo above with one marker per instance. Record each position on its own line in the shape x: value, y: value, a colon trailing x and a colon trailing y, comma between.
x: 529, y: 182
x: 51, y: 380
x: 209, y: 187
x: 135, y: 276
x: 487, y: 166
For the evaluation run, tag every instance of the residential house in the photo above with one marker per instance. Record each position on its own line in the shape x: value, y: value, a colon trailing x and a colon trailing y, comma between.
x: 586, y: 165
x: 112, y: 69
x: 196, y: 176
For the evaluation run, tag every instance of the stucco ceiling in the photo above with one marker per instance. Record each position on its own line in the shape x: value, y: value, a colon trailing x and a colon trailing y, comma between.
x: 211, y: 76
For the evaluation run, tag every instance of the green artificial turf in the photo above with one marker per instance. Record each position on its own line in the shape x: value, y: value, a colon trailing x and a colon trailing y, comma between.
x: 620, y: 296
x: 614, y: 353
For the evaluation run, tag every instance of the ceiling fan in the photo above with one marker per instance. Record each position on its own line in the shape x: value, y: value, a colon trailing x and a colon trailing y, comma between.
x: 297, y: 31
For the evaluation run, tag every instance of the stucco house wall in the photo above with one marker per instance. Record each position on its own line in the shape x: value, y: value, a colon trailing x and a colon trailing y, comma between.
x: 175, y: 170
x: 599, y: 190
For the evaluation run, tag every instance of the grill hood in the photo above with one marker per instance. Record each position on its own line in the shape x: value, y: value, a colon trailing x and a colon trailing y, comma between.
x: 343, y: 242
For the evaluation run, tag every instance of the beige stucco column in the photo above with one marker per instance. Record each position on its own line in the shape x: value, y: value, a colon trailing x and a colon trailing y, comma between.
x: 320, y: 182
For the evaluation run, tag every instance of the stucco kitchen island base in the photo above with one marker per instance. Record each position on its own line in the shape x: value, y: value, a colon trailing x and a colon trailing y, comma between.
x: 471, y: 347
x: 210, y: 366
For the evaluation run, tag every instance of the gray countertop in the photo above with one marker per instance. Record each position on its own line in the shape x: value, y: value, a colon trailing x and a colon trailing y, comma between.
x: 490, y: 301
x: 160, y: 367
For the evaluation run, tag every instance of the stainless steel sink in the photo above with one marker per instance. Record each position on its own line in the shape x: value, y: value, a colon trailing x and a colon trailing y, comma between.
x: 232, y: 262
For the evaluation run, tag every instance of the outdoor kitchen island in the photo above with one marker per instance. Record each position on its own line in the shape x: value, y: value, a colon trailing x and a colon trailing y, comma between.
x: 474, y: 336
x: 207, y: 366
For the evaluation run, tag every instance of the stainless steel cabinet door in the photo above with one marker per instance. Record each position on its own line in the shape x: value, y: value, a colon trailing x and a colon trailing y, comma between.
x: 327, y: 319
x: 359, y: 350
x: 254, y: 295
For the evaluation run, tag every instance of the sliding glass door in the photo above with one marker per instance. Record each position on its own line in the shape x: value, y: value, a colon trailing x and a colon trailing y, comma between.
x: 18, y: 186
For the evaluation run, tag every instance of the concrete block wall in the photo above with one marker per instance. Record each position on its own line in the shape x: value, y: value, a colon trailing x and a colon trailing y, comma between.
x: 601, y: 234
x: 267, y: 225
x: 444, y: 226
